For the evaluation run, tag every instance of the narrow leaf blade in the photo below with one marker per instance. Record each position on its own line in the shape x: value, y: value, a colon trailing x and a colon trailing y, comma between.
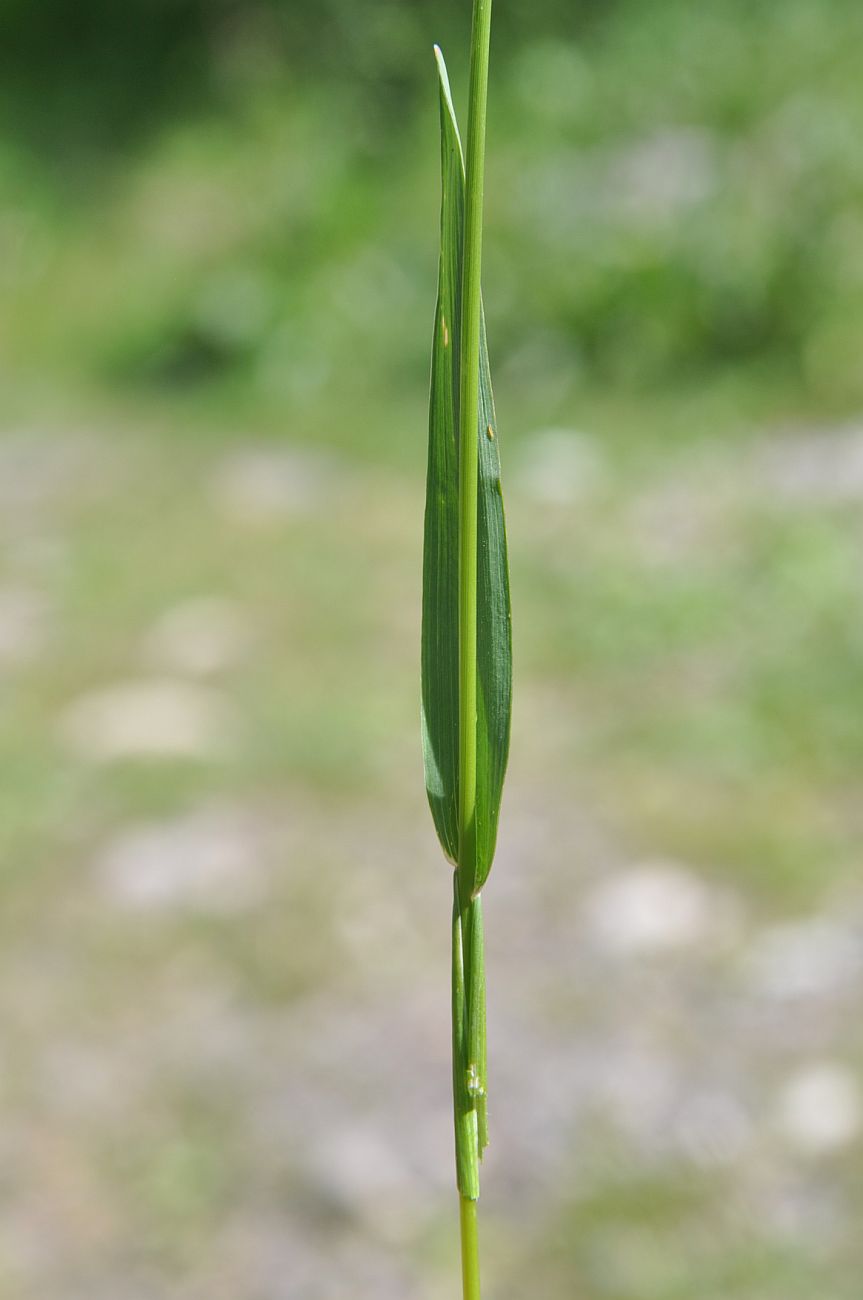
x: 440, y: 721
x: 494, y: 630
x: 440, y: 570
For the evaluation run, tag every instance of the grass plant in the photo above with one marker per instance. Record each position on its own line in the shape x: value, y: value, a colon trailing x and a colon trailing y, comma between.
x: 466, y: 638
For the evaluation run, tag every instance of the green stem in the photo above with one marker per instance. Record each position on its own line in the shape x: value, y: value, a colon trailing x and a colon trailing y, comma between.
x: 464, y: 1107
x: 469, y: 1249
x: 468, y: 429
x: 468, y: 966
x: 475, y: 1039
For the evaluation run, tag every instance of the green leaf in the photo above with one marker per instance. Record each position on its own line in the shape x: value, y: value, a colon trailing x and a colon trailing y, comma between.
x: 440, y: 720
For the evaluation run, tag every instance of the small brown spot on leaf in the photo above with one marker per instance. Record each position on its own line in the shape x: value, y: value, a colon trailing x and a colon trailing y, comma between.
x: 490, y: 432
x: 445, y: 332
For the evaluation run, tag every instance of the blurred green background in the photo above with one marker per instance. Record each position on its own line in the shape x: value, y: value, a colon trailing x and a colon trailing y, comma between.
x: 224, y: 916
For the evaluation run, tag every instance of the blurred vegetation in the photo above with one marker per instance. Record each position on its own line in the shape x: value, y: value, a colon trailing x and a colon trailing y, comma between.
x: 237, y: 200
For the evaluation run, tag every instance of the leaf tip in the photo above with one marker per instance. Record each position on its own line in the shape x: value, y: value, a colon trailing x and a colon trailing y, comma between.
x: 443, y: 75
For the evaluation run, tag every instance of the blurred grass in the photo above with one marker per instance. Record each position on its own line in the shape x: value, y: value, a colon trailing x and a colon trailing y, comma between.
x: 654, y: 223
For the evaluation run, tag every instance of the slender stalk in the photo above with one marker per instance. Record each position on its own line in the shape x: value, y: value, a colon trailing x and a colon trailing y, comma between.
x: 464, y: 1110
x: 468, y: 964
x: 468, y: 428
x: 469, y: 1249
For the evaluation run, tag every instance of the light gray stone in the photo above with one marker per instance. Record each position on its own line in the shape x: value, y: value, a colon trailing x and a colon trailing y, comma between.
x: 153, y: 718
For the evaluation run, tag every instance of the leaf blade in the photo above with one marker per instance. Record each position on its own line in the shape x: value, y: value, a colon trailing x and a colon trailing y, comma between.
x: 494, y: 630
x: 440, y: 721
x: 440, y: 712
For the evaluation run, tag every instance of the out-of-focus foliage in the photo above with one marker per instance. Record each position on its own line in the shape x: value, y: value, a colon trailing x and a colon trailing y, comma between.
x: 243, y: 190
x: 114, y: 68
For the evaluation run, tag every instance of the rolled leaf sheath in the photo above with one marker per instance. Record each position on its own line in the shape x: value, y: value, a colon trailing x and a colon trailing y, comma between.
x: 467, y: 1149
